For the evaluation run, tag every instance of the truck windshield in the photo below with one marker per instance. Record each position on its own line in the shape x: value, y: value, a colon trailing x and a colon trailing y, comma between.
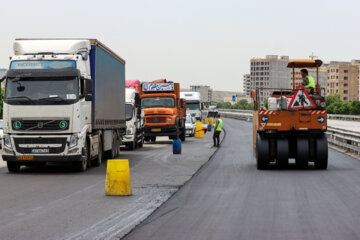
x: 150, y: 102
x: 42, y: 91
x: 193, y: 105
x: 128, y: 112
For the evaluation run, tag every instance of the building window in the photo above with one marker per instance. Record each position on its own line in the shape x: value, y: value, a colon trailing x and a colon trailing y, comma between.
x: 346, y: 71
x: 345, y: 91
x: 337, y: 70
x: 345, y: 84
x: 337, y: 84
x: 337, y: 91
x: 345, y: 98
x: 345, y: 78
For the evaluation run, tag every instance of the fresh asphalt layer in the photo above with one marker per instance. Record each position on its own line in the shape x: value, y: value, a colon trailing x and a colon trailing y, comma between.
x: 56, y: 203
x: 229, y: 199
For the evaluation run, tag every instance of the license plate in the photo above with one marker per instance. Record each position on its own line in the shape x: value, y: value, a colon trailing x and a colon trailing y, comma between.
x: 25, y: 157
x: 156, y: 130
x: 40, y: 150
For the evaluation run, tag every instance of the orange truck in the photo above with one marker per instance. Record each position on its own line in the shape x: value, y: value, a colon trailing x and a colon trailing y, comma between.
x: 293, y: 125
x: 164, y: 111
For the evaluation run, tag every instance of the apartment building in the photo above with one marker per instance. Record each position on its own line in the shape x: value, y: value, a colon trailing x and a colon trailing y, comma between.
x: 269, y: 72
x: 343, y: 79
x: 246, y: 84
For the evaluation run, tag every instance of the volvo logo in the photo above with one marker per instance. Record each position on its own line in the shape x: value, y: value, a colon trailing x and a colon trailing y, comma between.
x: 40, y: 125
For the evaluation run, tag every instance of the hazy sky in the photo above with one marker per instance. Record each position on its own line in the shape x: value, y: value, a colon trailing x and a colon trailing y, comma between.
x: 191, y: 41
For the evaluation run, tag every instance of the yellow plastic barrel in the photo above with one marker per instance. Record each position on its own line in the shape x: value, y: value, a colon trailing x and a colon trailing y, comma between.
x: 206, y: 120
x: 199, y: 133
x: 118, y: 181
x: 211, y: 121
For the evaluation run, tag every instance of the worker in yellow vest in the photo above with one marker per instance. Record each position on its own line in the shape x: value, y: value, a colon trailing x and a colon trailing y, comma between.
x: 308, y: 81
x: 217, y: 128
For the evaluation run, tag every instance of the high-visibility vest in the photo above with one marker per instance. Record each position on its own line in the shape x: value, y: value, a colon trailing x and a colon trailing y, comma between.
x: 219, y: 127
x: 311, y: 82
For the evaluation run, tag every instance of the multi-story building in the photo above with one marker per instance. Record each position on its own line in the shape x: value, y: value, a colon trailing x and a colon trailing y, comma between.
x: 246, y: 84
x: 343, y: 79
x: 205, y: 92
x: 269, y: 72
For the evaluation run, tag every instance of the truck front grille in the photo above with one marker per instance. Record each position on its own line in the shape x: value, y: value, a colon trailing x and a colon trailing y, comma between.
x: 40, y: 143
x: 41, y: 125
x: 156, y: 120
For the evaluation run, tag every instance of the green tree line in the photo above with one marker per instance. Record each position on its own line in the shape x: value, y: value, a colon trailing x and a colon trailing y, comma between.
x: 334, y: 105
x: 242, y: 104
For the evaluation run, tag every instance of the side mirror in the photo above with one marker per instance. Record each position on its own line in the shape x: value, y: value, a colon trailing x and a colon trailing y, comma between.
x: 2, y: 79
x: 88, y: 97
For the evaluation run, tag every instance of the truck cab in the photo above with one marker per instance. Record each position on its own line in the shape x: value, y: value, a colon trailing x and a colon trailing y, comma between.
x: 164, y: 111
x: 193, y: 104
x: 134, y: 136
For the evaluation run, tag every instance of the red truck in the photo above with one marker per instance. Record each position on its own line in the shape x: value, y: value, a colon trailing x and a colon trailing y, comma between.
x: 165, y: 112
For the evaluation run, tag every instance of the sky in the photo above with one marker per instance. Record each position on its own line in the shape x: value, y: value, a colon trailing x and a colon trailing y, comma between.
x: 193, y: 42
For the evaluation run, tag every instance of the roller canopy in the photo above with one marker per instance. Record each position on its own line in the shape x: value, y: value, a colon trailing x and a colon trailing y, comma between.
x: 304, y: 63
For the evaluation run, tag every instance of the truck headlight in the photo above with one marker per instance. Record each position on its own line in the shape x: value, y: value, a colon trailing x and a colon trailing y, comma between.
x: 73, y: 140
x: 169, y: 119
x: 130, y: 131
x: 7, y: 141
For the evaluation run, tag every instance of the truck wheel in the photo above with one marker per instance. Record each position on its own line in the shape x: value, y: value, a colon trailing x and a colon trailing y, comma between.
x: 147, y: 139
x: 153, y: 139
x: 282, y: 159
x: 97, y: 161
x: 13, y: 167
x: 132, y: 145
x: 262, y: 152
x: 302, y: 153
x: 182, y: 136
x: 141, y: 143
x: 82, y: 165
x: 321, y: 160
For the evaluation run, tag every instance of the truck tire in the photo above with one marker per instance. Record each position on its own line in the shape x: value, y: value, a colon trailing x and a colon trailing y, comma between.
x: 132, y: 145
x: 141, y: 143
x: 302, y: 153
x: 183, y: 135
x: 147, y: 139
x: 262, y: 153
x: 82, y: 165
x: 13, y: 167
x: 282, y: 159
x: 97, y: 161
x: 321, y: 160
x: 153, y: 139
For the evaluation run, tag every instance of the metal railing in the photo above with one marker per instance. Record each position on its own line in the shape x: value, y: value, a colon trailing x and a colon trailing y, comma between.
x: 330, y: 116
x: 347, y: 140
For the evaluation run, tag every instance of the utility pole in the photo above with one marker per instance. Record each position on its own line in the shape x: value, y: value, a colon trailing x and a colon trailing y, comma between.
x: 312, y: 56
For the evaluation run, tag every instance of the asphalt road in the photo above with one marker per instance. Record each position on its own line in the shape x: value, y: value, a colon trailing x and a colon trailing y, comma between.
x: 230, y: 199
x: 56, y: 203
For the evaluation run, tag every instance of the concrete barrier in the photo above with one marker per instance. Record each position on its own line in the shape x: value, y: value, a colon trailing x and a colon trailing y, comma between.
x: 118, y: 181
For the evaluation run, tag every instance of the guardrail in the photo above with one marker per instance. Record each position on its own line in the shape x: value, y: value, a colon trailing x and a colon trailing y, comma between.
x: 349, y: 141
x: 330, y: 116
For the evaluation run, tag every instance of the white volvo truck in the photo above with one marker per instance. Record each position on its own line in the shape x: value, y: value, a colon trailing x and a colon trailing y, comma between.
x: 134, y: 120
x: 64, y: 101
x: 193, y: 104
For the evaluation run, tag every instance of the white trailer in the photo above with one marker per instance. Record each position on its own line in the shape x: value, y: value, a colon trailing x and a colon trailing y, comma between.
x: 64, y: 102
x: 193, y: 104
